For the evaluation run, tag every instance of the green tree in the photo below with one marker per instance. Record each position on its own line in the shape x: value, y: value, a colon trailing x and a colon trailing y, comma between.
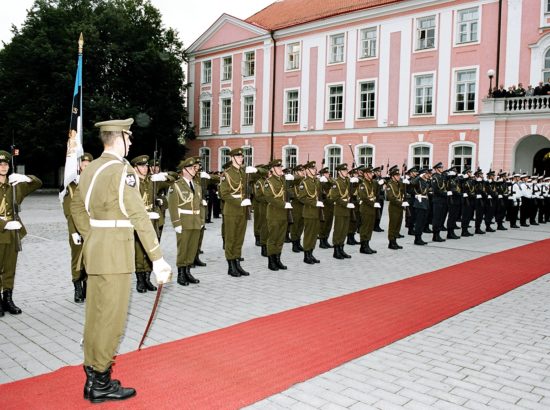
x: 132, y: 67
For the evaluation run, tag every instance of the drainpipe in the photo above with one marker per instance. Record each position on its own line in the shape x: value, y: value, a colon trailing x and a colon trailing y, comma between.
x: 498, y: 42
x: 272, y: 140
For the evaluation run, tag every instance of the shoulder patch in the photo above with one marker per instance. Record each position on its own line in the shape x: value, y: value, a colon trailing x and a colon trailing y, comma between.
x: 131, y: 180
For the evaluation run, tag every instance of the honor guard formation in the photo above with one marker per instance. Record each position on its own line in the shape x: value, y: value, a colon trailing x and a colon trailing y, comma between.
x: 116, y: 211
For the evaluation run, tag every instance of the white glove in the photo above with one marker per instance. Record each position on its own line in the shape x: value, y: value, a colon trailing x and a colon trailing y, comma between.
x: 77, y: 239
x: 204, y: 203
x: 323, y: 179
x: 160, y: 177
x: 153, y: 215
x: 381, y: 182
x: 479, y: 179
x: 465, y: 195
x: 478, y: 196
x: 250, y: 170
x: 350, y: 206
x: 377, y: 205
x: 451, y: 173
x: 449, y: 193
x: 162, y: 270
x: 15, y: 179
x: 405, y: 204
x: 13, y: 225
x: 500, y: 197
x: 178, y: 229
x: 160, y: 202
x: 246, y: 202
x: 205, y: 175
x: 320, y: 204
x: 288, y: 205
x: 354, y: 180
x: 289, y: 177
x: 77, y: 179
x: 406, y: 181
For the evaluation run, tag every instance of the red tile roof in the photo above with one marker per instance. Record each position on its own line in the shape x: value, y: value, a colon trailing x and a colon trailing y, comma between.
x: 287, y: 13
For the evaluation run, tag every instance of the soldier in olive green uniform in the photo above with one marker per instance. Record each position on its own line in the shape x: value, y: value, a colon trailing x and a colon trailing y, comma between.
x: 201, y: 178
x: 162, y: 201
x: 256, y: 203
x: 233, y: 191
x: 184, y: 203
x: 10, y: 227
x: 309, y: 194
x: 355, y: 217
x: 261, y: 213
x: 326, y: 225
x: 277, y: 214
x: 75, y: 240
x: 366, y: 193
x: 297, y: 226
x: 395, y: 192
x: 107, y: 208
x: 339, y: 194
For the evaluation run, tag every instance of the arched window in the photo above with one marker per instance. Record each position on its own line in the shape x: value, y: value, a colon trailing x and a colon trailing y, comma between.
x: 223, y: 156
x: 204, y: 153
x: 248, y: 154
x: 364, y: 155
x: 546, y: 70
x: 333, y: 155
x: 421, y: 155
x: 290, y: 156
x: 462, y: 155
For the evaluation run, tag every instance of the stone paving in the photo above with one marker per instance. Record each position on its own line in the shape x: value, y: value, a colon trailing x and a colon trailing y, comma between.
x: 493, y: 356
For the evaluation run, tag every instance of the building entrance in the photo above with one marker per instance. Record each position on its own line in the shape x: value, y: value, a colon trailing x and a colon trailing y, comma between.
x: 530, y: 153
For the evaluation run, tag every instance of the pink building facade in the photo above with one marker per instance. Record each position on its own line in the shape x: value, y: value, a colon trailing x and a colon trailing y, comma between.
x: 398, y: 82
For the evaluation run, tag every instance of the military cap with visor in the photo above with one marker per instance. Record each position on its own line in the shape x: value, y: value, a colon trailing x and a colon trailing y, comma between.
x: 5, y: 156
x: 342, y: 167
x: 324, y: 170
x: 235, y: 152
x: 276, y: 163
x: 87, y: 157
x: 394, y: 171
x: 115, y: 125
x: 140, y: 160
x: 310, y: 164
x: 438, y: 165
x: 187, y: 162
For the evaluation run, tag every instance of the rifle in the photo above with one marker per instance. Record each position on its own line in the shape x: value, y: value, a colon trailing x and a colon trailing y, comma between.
x: 403, y: 167
x: 155, y: 222
x: 320, y: 196
x: 247, y: 195
x: 15, y: 204
x: 289, y: 216
x: 353, y: 216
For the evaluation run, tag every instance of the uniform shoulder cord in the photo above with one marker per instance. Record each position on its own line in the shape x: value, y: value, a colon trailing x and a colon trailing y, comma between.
x: 280, y: 193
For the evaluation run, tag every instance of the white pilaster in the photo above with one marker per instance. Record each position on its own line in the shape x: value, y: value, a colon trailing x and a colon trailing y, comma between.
x: 307, y: 44
x: 513, y: 40
x: 444, y: 67
x: 266, y: 92
x: 404, y: 73
x: 349, y: 106
x: 486, y: 143
x: 321, y: 68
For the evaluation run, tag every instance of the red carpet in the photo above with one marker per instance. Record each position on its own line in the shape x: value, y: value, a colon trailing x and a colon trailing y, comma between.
x: 239, y: 365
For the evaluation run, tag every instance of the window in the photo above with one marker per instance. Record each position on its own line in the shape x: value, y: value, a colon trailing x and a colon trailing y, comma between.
x: 336, y: 48
x: 368, y: 42
x: 248, y: 110
x: 547, y: 8
x: 207, y: 72
x: 205, y: 114
x: 462, y: 157
x: 365, y: 155
x: 421, y: 156
x: 334, y: 158
x: 226, y: 112
x: 423, y: 94
x: 367, y: 99
x: 247, y: 154
x: 227, y: 68
x: 249, y: 64
x: 467, y: 25
x: 425, y: 33
x: 293, y: 56
x: 204, y: 154
x: 335, y: 102
x: 290, y: 157
x: 292, y: 103
x: 546, y: 70
x: 224, y: 156
x: 465, y: 91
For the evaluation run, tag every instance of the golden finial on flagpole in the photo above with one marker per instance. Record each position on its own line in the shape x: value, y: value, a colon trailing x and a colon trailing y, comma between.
x: 80, y: 43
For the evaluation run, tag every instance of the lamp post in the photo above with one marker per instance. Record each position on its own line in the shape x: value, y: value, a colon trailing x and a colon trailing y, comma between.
x: 491, y: 74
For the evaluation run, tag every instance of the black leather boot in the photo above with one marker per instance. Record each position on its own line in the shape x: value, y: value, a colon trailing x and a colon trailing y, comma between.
x: 344, y: 254
x: 296, y: 247
x: 103, y: 388
x: 451, y: 234
x: 466, y: 233
x: 437, y: 237
x: 307, y: 258
x: 182, y: 277
x: 264, y: 251
x: 313, y: 258
x: 7, y: 303
x: 337, y: 254
x: 489, y: 229
x: 365, y: 249
x: 323, y: 243
x: 239, y: 268
x: 232, y: 271
x: 501, y: 227
x: 148, y: 283
x: 257, y: 243
x: 279, y: 263
x: 396, y: 244
x: 89, y: 381
x: 392, y: 245
x: 271, y: 264
x: 428, y: 230
x: 198, y: 262
x: 190, y: 277
x: 78, y: 292
x: 351, y: 239
x: 369, y: 248
x: 418, y: 240
x: 479, y: 231
x: 141, y: 287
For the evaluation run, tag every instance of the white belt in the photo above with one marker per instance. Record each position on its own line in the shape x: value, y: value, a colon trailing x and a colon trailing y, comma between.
x: 111, y: 223
x: 236, y: 196
x: 189, y: 212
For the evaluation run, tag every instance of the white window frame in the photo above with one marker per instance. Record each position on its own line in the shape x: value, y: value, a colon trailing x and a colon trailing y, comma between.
x: 296, y: 63
x: 358, y: 102
x: 547, y: 8
x: 330, y: 47
x: 358, y: 156
x: 416, y: 48
x: 202, y: 115
x: 546, y: 65
x: 206, y: 73
x: 205, y: 156
x: 456, y: 144
x: 453, y: 91
x: 327, y: 105
x: 360, y: 42
x: 222, y: 99
x: 223, y: 69
x: 286, y: 107
x: 419, y: 145
x: 248, y: 158
x: 340, y: 159
x: 284, y: 155
x: 244, y: 113
x: 221, y: 156
x: 413, y: 93
x: 246, y: 64
x: 457, y: 41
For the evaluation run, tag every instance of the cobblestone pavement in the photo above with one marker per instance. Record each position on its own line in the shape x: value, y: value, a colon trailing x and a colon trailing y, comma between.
x: 493, y: 356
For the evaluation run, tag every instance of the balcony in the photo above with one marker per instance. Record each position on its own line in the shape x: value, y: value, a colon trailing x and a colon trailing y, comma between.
x: 517, y: 106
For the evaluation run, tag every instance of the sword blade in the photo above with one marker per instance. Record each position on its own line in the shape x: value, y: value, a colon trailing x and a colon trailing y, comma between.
x: 157, y: 298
